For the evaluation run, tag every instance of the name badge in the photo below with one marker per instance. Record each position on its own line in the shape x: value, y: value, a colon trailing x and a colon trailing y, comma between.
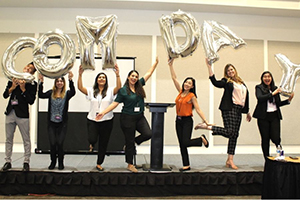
x: 58, y: 117
x: 14, y: 102
x: 136, y: 109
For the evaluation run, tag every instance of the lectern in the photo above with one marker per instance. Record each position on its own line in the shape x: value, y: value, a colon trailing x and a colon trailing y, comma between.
x: 157, y: 141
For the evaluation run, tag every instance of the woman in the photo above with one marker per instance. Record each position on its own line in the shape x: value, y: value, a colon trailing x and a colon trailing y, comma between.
x: 267, y: 111
x: 186, y: 101
x: 100, y: 97
x: 57, y: 116
x: 132, y: 118
x: 235, y: 101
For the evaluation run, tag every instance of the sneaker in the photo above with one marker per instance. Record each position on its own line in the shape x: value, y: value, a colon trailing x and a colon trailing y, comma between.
x: 25, y: 167
x: 201, y: 126
x: 6, y: 166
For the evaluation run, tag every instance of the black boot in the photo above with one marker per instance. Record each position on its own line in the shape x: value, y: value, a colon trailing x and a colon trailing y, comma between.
x: 52, y: 165
x: 61, y: 162
x: 53, y: 160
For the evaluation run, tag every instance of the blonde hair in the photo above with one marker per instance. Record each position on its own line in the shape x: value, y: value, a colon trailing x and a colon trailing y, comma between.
x: 54, y: 89
x: 236, y: 77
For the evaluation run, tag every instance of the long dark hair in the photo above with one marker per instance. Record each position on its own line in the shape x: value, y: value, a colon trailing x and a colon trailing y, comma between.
x: 193, y: 90
x: 272, y: 84
x: 96, y: 88
x: 139, y: 90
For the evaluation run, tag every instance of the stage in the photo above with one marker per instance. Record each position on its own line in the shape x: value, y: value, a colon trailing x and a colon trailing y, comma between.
x: 208, y: 176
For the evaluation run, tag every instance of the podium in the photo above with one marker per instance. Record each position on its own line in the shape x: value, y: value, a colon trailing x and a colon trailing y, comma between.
x: 157, y: 141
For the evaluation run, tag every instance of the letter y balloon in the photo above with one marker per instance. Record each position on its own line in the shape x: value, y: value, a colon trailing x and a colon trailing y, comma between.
x: 290, y: 74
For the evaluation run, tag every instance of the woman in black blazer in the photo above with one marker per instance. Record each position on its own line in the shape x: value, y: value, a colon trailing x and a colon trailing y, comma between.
x: 267, y: 111
x: 235, y: 101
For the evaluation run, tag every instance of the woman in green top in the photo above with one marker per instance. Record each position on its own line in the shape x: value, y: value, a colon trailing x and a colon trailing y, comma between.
x: 132, y: 119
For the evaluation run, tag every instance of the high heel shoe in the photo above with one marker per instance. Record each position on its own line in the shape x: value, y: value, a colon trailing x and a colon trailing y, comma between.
x: 207, y: 143
x: 232, y: 166
x: 91, y: 148
x: 201, y: 126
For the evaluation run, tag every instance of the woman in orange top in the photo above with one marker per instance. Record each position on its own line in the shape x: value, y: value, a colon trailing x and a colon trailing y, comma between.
x: 185, y: 102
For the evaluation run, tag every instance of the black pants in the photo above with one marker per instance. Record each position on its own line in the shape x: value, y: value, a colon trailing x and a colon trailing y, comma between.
x: 184, y: 127
x: 130, y: 124
x: 100, y: 131
x: 57, y: 133
x: 269, y: 128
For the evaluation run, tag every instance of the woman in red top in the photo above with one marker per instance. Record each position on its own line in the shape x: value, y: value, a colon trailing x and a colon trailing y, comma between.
x: 185, y: 102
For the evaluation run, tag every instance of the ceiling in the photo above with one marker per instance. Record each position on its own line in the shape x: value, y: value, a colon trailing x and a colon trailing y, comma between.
x: 283, y: 8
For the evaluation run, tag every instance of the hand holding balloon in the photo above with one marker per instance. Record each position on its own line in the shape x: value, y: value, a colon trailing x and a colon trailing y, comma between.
x: 291, y: 97
x: 277, y: 91
x: 22, y: 85
x: 116, y: 70
x: 70, y: 76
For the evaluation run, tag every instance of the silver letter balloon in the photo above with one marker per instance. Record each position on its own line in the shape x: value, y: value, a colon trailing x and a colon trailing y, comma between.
x: 191, y: 28
x: 214, y: 36
x: 10, y: 55
x: 91, y: 30
x: 67, y: 58
x: 290, y: 74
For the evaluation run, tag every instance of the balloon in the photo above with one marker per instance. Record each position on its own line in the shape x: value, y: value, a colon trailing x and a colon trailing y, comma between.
x: 191, y: 28
x: 9, y: 56
x: 67, y: 58
x: 214, y: 36
x: 290, y: 74
x: 97, y: 30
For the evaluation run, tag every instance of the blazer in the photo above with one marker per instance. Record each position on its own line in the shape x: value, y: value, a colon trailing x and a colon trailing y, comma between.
x: 263, y: 96
x: 70, y: 93
x: 226, y: 101
x: 24, y: 99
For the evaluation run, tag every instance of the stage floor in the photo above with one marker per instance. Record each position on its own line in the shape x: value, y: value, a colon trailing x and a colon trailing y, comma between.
x: 116, y: 163
x: 208, y: 176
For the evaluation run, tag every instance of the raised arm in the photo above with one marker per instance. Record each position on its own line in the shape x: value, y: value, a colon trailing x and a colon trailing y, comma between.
x: 80, y: 86
x: 72, y: 91
x: 173, y: 75
x: 151, y: 70
x: 210, y: 71
x: 118, y: 79
x: 41, y: 94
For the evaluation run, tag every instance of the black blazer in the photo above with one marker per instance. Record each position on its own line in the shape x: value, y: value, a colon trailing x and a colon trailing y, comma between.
x: 28, y: 97
x: 263, y: 96
x: 226, y: 101
x: 48, y: 95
